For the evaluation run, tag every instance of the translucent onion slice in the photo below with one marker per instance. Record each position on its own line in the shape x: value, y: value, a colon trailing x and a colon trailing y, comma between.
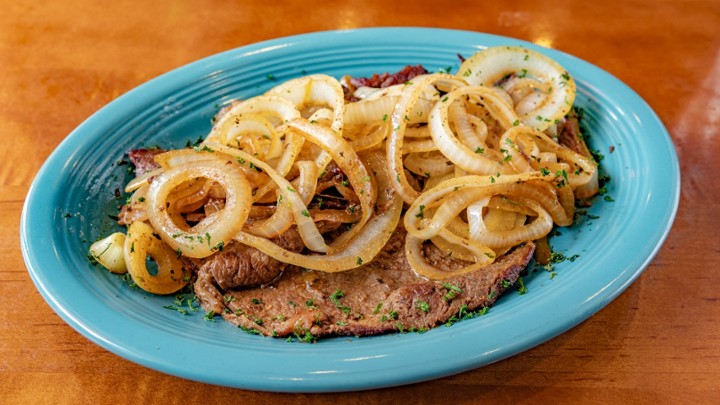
x: 135, y: 208
x: 416, y: 259
x: 364, y: 111
x: 109, y: 252
x: 371, y: 136
x: 519, y: 139
x: 401, y: 117
x: 308, y: 231
x: 498, y: 239
x: 459, y: 116
x: 139, y: 244
x: 452, y: 196
x: 469, y: 159
x: 314, y: 90
x: 250, y: 129
x: 362, y: 248
x: 140, y: 181
x: 428, y: 165
x: 490, y: 66
x: 213, y: 231
x: 420, y: 145
x: 190, y: 198
x: 588, y: 189
x: 349, y: 162
x: 463, y: 248
x: 558, y: 201
x: 277, y: 109
x: 282, y: 218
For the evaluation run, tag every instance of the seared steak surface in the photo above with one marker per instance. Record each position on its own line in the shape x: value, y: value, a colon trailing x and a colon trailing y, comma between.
x: 381, y: 296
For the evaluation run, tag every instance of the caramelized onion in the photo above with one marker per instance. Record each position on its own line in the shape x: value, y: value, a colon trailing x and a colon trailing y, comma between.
x: 139, y: 244
x: 467, y: 154
x: 213, y: 231
x: 551, y: 97
x: 361, y: 248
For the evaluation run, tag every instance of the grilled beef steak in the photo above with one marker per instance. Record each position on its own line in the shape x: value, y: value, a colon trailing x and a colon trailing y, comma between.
x: 382, y: 296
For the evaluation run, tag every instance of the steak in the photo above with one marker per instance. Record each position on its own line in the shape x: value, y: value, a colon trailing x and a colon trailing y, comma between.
x: 569, y: 134
x: 144, y: 159
x: 238, y: 265
x: 389, y: 79
x: 384, y: 295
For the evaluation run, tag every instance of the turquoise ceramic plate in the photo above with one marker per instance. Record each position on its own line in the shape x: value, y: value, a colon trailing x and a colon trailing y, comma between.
x: 73, y: 197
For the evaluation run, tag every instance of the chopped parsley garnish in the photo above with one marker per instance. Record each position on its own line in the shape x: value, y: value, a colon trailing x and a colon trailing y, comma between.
x: 521, y: 286
x: 452, y: 291
x: 464, y: 313
x: 180, y: 310
x: 304, y: 335
x: 335, y: 299
x: 562, y: 174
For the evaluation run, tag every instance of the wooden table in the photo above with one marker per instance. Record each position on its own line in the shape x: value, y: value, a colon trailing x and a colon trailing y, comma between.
x: 659, y: 342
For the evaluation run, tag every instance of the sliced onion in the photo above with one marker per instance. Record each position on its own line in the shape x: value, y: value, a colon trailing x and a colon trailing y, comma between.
x: 401, y: 117
x: 135, y: 210
x: 460, y: 247
x: 213, y: 231
x: 270, y: 150
x: 141, y: 243
x: 429, y: 165
x: 371, y: 136
x: 459, y: 116
x: 581, y: 172
x: 471, y: 160
x: 490, y: 66
x: 140, y: 181
x: 250, y: 129
x: 308, y: 231
x: 364, y: 111
x: 278, y: 109
x: 282, y: 219
x: 314, y: 90
x: 416, y: 259
x: 349, y: 162
x: 588, y: 189
x: 109, y: 252
x: 362, y: 248
x: 420, y: 145
x: 496, y: 239
x: 452, y: 196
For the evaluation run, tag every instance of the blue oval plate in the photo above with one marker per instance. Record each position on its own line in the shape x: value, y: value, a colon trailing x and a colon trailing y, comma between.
x: 73, y: 198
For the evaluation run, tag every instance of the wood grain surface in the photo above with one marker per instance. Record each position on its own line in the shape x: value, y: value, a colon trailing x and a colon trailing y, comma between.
x: 658, y: 342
